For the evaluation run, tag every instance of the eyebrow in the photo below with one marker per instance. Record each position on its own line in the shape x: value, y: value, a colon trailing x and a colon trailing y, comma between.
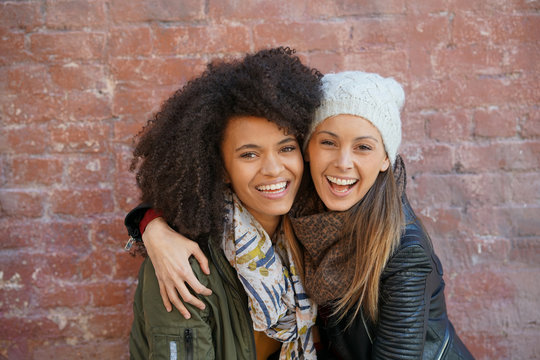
x: 355, y: 139
x: 254, y: 146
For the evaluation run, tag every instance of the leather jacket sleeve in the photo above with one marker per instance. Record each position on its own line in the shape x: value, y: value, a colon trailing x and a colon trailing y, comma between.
x: 404, y: 305
x: 132, y: 220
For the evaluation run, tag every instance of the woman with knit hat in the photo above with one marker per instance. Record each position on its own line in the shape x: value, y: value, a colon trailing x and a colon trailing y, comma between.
x: 365, y: 257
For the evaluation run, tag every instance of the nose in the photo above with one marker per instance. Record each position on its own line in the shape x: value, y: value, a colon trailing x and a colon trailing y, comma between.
x: 272, y: 165
x: 344, y: 160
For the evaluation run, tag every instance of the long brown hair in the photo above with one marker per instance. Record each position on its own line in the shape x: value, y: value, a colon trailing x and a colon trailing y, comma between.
x: 375, y: 224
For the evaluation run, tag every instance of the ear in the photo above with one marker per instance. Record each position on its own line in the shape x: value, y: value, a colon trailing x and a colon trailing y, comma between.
x: 385, y: 164
x: 226, y: 177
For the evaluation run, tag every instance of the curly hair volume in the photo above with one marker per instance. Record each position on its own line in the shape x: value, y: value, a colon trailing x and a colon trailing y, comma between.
x: 178, y: 154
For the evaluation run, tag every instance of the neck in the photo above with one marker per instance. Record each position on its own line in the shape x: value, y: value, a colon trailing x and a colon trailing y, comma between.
x: 269, y: 224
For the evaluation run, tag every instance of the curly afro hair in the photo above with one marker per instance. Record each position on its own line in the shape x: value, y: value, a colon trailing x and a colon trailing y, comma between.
x: 178, y: 154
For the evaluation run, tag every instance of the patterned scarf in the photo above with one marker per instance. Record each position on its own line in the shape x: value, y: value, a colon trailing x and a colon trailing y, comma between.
x: 277, y: 301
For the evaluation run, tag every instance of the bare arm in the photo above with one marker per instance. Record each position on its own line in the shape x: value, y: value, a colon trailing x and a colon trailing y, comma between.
x: 170, y: 252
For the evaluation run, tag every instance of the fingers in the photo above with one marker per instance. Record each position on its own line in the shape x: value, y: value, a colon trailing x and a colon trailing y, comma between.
x: 203, y: 262
x: 173, y: 296
x: 164, y: 297
x: 189, y: 298
x: 195, y: 284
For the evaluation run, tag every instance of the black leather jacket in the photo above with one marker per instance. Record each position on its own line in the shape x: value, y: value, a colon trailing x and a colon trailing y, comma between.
x: 413, y: 323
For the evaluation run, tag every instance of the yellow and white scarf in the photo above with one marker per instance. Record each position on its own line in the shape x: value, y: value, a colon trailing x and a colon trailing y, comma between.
x: 278, y: 303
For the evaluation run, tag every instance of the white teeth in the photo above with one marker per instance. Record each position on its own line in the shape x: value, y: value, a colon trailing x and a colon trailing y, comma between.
x: 339, y: 181
x: 273, y: 187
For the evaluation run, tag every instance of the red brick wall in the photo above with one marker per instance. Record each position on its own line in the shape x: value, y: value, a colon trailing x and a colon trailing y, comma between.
x: 79, y: 78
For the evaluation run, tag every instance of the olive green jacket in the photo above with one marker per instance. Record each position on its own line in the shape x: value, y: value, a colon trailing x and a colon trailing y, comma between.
x: 222, y: 331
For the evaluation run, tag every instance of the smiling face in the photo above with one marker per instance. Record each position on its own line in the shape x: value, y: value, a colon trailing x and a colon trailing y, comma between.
x: 264, y: 167
x: 346, y: 154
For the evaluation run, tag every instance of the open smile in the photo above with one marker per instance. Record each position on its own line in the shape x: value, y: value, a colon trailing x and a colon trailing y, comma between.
x: 274, y: 190
x: 341, y: 186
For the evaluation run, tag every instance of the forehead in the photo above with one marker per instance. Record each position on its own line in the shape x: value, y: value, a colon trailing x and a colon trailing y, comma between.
x: 348, y: 126
x: 252, y: 127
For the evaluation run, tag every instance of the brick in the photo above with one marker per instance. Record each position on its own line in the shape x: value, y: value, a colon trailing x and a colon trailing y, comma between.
x: 525, y: 251
x: 25, y: 108
x: 75, y: 14
x: 29, y: 79
x: 497, y: 29
x: 126, y: 192
x: 301, y: 36
x: 247, y: 11
x: 350, y: 7
x: 152, y: 72
x: 26, y: 16
x: 468, y: 59
x: 477, y: 91
x: 413, y: 126
x: 78, y: 76
x: 83, y: 350
x: 89, y: 170
x: 97, y: 265
x: 148, y: 10
x: 201, y: 39
x: 109, y: 234
x: 490, y: 221
x: 530, y: 123
x: 125, y: 132
x: 442, y: 222
x: 67, y: 46
x: 21, y: 203
x: 39, y: 326
x: 450, y: 127
x: 138, y: 103
x: 67, y: 237
x: 130, y: 41
x: 495, y: 122
x: 377, y: 33
x: 435, y: 158
x: 507, y: 155
x: 80, y: 138
x: 12, y: 47
x: 108, y: 325
x: 461, y: 190
x: 328, y: 62
x: 520, y: 58
x: 82, y: 105
x: 44, y: 171
x: 385, y: 62
x: 82, y: 202
x: 524, y: 188
x: 127, y: 267
x: 426, y: 34
x: 25, y: 140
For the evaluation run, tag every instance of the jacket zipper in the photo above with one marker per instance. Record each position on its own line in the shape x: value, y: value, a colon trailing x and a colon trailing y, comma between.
x: 445, y: 344
x: 188, y: 342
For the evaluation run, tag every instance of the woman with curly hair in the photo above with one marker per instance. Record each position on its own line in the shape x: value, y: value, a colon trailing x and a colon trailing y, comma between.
x: 221, y: 163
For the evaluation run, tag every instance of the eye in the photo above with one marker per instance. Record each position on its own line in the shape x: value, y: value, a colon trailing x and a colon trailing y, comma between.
x: 248, y: 155
x: 364, y: 147
x: 327, y: 142
x: 288, y: 148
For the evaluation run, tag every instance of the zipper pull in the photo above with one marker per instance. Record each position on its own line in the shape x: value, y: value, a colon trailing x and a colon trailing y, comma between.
x: 129, y: 243
x: 188, y: 340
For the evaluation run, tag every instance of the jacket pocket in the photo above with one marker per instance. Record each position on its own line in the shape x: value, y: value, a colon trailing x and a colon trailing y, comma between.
x: 178, y: 344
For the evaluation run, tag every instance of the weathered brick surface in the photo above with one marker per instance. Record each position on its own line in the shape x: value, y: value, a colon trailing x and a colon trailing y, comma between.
x: 79, y: 78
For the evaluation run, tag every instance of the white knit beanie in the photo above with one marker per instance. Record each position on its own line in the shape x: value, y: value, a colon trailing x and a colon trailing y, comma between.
x: 367, y: 95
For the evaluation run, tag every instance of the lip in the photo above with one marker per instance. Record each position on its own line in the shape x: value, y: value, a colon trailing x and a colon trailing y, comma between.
x: 340, y: 193
x: 274, y: 194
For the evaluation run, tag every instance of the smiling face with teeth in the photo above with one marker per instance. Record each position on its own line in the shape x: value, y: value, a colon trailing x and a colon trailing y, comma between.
x: 264, y: 166
x: 346, y: 154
